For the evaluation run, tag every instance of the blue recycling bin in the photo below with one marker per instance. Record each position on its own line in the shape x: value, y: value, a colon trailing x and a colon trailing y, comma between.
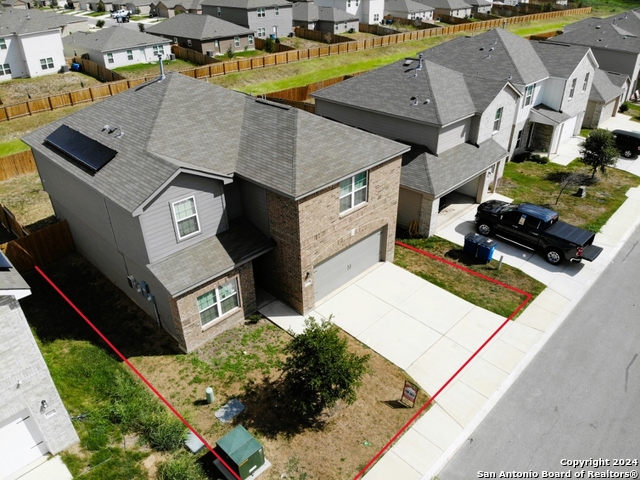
x: 486, y: 247
x: 471, y: 241
x: 75, y: 67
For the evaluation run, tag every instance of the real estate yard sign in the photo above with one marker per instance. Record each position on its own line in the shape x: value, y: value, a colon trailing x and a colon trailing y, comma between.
x: 410, y: 393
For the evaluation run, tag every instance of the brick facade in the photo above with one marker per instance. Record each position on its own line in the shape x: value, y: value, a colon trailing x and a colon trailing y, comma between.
x: 191, y: 333
x: 26, y: 380
x: 311, y: 230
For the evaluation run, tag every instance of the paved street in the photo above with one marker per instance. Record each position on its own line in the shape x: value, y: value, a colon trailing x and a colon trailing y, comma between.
x: 579, y: 397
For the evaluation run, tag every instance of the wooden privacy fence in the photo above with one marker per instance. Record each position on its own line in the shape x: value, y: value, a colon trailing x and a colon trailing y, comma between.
x: 192, y: 56
x: 9, y: 222
x: 222, y: 68
x: 40, y: 247
x: 98, y: 71
x: 17, y: 164
x: 318, y: 36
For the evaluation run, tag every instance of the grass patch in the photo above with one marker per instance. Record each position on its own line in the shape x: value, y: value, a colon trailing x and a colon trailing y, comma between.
x: 26, y: 199
x: 480, y: 292
x: 12, y: 146
x: 152, y: 68
x: 17, y: 128
x: 536, y: 183
x: 634, y: 111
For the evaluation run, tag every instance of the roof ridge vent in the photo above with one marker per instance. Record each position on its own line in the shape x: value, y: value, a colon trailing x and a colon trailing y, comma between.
x: 273, y: 104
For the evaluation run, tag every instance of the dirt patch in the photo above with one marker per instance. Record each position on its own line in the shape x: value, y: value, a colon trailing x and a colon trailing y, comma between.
x: 26, y: 199
x: 301, y: 43
x: 23, y: 89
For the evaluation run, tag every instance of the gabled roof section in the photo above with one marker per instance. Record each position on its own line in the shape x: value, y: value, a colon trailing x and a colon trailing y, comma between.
x: 310, y: 12
x: 561, y: 59
x: 216, y: 132
x: 330, y: 14
x: 484, y: 91
x: 247, y: 4
x: 112, y: 39
x: 20, y: 22
x: 479, y: 3
x: 496, y: 54
x: 201, y: 27
x: 433, y: 94
x: 603, y: 90
x: 618, y: 79
x: 406, y: 6
x: 446, y: 4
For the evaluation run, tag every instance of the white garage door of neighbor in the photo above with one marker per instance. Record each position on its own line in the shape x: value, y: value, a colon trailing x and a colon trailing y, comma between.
x: 20, y: 443
x: 567, y: 130
x: 347, y: 264
x: 607, y: 110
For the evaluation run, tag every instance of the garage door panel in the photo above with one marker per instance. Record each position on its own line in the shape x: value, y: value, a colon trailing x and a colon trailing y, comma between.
x: 567, y: 129
x: 347, y: 264
x: 20, y: 443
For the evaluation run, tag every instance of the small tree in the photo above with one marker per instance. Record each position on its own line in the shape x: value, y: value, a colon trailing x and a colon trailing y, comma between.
x: 141, y: 27
x: 319, y: 369
x: 599, y: 151
x: 100, y: 7
x: 230, y: 52
x: 269, y: 45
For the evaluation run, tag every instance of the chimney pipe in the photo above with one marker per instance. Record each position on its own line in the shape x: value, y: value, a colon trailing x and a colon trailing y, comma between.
x: 162, y: 76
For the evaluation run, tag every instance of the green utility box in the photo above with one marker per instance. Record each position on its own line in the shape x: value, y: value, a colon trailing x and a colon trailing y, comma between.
x: 241, y: 452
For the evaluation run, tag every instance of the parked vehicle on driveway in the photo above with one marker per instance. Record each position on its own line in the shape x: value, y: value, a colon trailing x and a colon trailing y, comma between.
x: 538, y: 228
x: 628, y: 143
x: 120, y: 13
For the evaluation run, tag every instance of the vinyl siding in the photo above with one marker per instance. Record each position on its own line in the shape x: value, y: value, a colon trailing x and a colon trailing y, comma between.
x: 552, y: 92
x: 233, y: 200
x: 157, y: 221
x: 453, y: 135
x: 508, y: 100
x: 409, y: 203
x: 578, y: 103
x: 609, y: 60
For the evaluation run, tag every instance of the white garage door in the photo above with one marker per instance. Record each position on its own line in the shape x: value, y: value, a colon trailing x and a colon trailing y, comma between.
x: 347, y: 264
x: 567, y: 130
x: 20, y: 443
x: 607, y: 110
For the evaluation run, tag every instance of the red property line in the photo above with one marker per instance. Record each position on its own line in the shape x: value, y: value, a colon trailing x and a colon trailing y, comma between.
x: 135, y: 370
x: 435, y: 395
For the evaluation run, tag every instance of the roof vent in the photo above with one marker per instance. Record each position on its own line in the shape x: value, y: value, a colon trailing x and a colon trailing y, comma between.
x: 597, y: 26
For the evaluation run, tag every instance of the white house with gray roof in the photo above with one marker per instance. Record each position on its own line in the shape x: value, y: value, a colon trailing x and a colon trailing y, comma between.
x: 204, y: 33
x: 31, y: 42
x: 169, y: 8
x: 453, y: 8
x: 325, y: 19
x: 368, y: 11
x: 116, y: 47
x: 265, y: 17
x: 409, y: 9
x: 191, y: 202
x: 607, y: 94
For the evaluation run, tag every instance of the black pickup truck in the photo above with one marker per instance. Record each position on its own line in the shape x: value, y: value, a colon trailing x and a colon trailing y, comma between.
x: 537, y: 227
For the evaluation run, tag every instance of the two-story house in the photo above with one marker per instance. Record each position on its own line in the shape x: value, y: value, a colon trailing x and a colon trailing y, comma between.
x: 615, y: 42
x: 452, y: 8
x: 265, y: 17
x: 608, y: 91
x: 492, y: 90
x: 324, y: 19
x: 409, y: 9
x: 190, y: 202
x: 33, y: 420
x: 368, y: 11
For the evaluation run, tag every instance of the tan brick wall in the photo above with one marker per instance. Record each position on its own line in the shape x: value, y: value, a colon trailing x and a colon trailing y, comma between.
x: 187, y: 318
x: 312, y: 230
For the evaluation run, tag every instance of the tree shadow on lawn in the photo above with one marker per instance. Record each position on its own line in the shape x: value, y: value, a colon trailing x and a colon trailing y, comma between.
x: 126, y: 326
x: 270, y: 412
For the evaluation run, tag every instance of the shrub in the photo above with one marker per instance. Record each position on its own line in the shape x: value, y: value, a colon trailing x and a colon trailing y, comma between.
x: 230, y: 52
x: 100, y: 7
x: 100, y: 23
x: 520, y: 157
x: 269, y: 45
x: 181, y: 467
x: 164, y: 432
x: 624, y: 107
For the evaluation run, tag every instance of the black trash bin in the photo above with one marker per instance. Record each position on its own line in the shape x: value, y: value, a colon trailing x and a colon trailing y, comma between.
x: 471, y: 241
x: 486, y: 247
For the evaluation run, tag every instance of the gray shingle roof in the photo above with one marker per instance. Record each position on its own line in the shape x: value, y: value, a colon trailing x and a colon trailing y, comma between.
x: 618, y: 79
x: 32, y: 20
x: 603, y: 90
x: 623, y: 35
x: 330, y: 14
x: 496, y: 54
x: 561, y: 59
x: 246, y: 4
x: 110, y: 39
x: 479, y: 3
x: 446, y: 4
x: 217, y: 131
x: 543, y: 114
x: 10, y: 279
x: 437, y: 175
x: 201, y: 27
x: 185, y: 269
x: 406, y: 6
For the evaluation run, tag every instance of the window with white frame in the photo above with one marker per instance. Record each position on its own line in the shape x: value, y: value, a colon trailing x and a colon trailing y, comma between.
x: 353, y: 191
x: 46, y: 63
x: 186, y: 217
x: 3, y: 44
x: 528, y: 94
x: 236, y: 41
x: 250, y: 39
x: 261, y: 12
x: 129, y: 54
x: 572, y: 91
x: 219, y: 11
x: 336, y: 27
x: 276, y: 10
x: 189, y: 43
x: 586, y: 83
x: 376, y: 17
x: 218, y: 302
x: 158, y: 50
x: 497, y: 120
x: 110, y: 57
x: 348, y: 3
x: 5, y: 69
x: 262, y: 32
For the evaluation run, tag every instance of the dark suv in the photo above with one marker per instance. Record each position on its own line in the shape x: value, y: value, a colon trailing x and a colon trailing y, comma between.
x: 628, y: 143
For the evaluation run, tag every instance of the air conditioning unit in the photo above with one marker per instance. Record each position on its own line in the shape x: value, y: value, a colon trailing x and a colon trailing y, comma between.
x: 209, y: 53
x: 172, y: 56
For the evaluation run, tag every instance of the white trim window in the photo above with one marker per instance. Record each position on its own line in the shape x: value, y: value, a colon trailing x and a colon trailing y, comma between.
x: 262, y: 32
x: 250, y: 39
x: 109, y: 57
x: 261, y: 12
x: 3, y: 44
x: 46, y: 63
x: 236, y: 41
x: 189, y: 42
x: 185, y: 216
x: 158, y: 50
x: 276, y: 10
x: 586, y: 83
x: 5, y: 69
x: 129, y: 54
x: 528, y: 94
x: 353, y: 191
x: 573, y: 88
x: 218, y: 302
x: 376, y: 17
x: 497, y: 120
x: 219, y: 11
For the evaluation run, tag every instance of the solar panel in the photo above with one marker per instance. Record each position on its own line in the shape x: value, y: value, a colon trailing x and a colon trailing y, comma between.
x: 4, y: 263
x: 87, y: 151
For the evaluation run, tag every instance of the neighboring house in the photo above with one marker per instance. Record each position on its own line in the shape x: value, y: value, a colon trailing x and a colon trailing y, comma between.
x: 408, y: 9
x: 265, y: 17
x: 453, y: 8
x: 16, y: 4
x: 615, y: 42
x: 325, y: 19
x: 33, y: 419
x: 480, y: 6
x: 204, y: 197
x: 31, y: 42
x: 92, y: 5
x: 205, y: 34
x: 466, y: 108
x: 138, y: 7
x: 607, y: 94
x: 368, y: 11
x: 169, y: 8
x: 116, y: 47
